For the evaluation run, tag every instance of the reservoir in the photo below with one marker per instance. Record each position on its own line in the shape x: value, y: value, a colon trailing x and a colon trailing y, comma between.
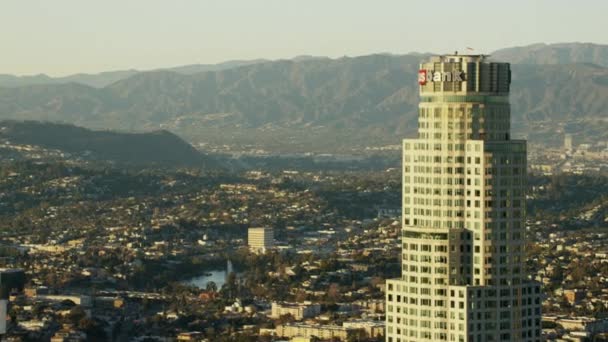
x: 216, y: 276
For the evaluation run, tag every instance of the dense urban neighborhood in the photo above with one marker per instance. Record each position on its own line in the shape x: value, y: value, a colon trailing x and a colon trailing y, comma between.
x: 303, y: 171
x: 162, y: 254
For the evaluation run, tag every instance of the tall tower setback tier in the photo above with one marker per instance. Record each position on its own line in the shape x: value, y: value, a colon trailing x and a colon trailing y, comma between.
x: 464, y: 183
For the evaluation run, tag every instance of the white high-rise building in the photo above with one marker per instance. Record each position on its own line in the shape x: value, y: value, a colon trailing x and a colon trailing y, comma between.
x: 568, y: 142
x: 260, y: 240
x: 463, y: 236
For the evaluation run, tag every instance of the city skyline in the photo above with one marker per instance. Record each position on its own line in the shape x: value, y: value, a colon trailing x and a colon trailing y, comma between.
x: 304, y: 171
x: 68, y: 37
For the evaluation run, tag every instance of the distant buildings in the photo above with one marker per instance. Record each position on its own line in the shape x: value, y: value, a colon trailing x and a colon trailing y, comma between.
x: 260, y: 240
x: 191, y: 336
x: 11, y: 280
x: 324, y: 332
x: 298, y: 311
x: 586, y: 325
x: 574, y: 296
x: 373, y: 329
x: 68, y: 334
x: 388, y: 212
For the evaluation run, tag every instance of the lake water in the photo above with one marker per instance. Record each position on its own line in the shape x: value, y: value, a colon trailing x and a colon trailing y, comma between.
x: 218, y: 277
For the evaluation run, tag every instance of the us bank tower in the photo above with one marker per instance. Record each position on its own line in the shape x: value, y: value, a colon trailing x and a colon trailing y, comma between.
x: 463, y: 236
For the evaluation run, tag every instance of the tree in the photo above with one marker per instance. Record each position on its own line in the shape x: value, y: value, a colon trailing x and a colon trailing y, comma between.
x: 333, y: 292
x: 301, y: 295
x: 211, y: 286
x: 231, y: 285
x: 76, y: 314
x: 283, y: 319
x: 357, y: 335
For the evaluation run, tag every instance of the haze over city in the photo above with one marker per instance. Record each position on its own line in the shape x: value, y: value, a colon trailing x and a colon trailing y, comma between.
x: 65, y: 37
x: 303, y: 171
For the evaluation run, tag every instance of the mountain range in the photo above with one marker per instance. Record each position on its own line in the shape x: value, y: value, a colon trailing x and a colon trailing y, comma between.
x: 563, y: 53
x: 316, y: 103
x: 103, y: 79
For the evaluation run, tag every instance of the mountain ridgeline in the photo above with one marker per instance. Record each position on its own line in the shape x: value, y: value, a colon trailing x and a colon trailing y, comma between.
x: 322, y: 104
x: 564, y: 53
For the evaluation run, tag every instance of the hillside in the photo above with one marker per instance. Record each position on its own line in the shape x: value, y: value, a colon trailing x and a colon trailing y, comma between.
x: 312, y: 104
x: 547, y: 100
x: 159, y: 148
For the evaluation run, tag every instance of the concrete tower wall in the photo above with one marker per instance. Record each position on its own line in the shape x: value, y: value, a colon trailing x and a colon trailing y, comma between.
x: 464, y: 184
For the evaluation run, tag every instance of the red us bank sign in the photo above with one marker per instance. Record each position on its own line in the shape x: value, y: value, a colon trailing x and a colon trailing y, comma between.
x: 425, y: 76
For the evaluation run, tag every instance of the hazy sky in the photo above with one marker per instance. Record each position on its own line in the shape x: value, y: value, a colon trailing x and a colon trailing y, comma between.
x: 60, y: 37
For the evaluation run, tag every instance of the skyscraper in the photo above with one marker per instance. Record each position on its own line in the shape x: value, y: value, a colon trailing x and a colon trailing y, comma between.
x: 463, y: 241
